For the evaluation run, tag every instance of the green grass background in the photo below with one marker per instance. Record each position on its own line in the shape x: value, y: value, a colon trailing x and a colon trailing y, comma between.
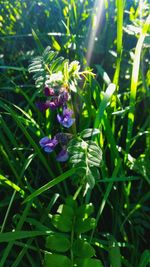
x: 120, y: 55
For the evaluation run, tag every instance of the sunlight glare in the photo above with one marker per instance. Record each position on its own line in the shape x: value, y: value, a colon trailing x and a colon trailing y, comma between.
x: 93, y: 28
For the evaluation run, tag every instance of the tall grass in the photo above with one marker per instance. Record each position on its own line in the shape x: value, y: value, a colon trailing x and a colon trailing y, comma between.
x: 116, y: 101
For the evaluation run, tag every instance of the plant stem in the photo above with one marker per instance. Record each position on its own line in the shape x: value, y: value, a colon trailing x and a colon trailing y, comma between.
x: 71, y: 241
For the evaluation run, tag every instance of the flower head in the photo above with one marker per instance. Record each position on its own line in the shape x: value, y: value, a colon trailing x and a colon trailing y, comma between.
x: 43, y: 106
x: 59, y: 100
x: 62, y: 156
x: 54, y: 103
x: 48, y: 91
x: 66, y: 119
x: 48, y: 144
x: 63, y: 97
x: 62, y: 138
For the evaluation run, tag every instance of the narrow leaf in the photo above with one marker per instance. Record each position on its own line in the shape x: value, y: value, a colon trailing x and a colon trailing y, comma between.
x: 50, y: 184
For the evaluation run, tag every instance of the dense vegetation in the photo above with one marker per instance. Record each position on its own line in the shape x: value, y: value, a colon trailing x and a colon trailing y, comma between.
x: 75, y: 133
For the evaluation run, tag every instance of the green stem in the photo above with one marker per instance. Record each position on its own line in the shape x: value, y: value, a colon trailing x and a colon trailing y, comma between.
x: 78, y: 192
x: 71, y: 241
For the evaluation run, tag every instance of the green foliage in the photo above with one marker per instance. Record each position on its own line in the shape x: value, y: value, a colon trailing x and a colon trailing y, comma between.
x: 44, y: 65
x: 54, y: 71
x: 145, y: 259
x: 112, y: 114
x: 56, y: 260
x: 86, y: 156
x: 71, y: 221
x: 89, y: 263
x: 82, y: 249
x: 57, y: 243
x: 114, y: 252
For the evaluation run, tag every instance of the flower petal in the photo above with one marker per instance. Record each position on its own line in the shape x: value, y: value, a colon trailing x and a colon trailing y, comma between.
x: 63, y: 97
x: 48, y: 144
x: 54, y: 104
x: 44, y: 141
x: 43, y: 106
x: 48, y: 91
x: 62, y: 138
x: 65, y: 119
x: 62, y: 156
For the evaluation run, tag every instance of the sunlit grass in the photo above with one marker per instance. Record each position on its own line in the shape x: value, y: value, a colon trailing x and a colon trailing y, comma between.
x: 115, y: 35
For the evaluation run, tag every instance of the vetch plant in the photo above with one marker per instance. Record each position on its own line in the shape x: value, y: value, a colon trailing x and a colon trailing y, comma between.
x: 59, y: 78
x: 86, y: 155
x: 33, y: 184
x: 69, y: 245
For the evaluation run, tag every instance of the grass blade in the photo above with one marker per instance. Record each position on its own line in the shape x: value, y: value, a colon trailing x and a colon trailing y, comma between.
x: 50, y: 184
x: 28, y: 136
x: 120, y: 8
x: 134, y: 83
x: 12, y: 236
x: 106, y: 98
x: 11, y: 184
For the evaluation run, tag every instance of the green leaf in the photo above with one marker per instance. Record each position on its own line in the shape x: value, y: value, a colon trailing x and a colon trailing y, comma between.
x: 71, y: 202
x: 85, y: 211
x: 13, y: 68
x: 56, y: 64
x: 89, y: 263
x: 66, y: 211
x: 77, y: 158
x: 90, y: 180
x: 26, y: 133
x: 94, y: 149
x: 75, y: 148
x: 114, y: 252
x: 103, y: 74
x: 50, y: 184
x: 104, y: 103
x: 120, y: 13
x: 82, y: 226
x: 46, y: 66
x: 62, y: 223
x: 10, y: 236
x: 93, y: 161
x: 55, y: 44
x: 11, y: 184
x: 89, y: 132
x: 134, y: 83
x: 56, y: 260
x: 145, y: 259
x: 82, y: 249
x: 73, y: 86
x: 57, y: 243
x: 37, y: 40
x: 95, y: 173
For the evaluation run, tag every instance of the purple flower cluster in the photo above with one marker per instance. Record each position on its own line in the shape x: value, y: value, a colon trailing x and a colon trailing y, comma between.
x: 57, y: 99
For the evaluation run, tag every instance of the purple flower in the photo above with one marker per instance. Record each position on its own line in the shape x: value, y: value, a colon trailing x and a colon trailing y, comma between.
x: 43, y: 106
x: 54, y: 104
x: 48, y: 144
x: 62, y: 138
x: 63, y: 97
x: 58, y: 101
x: 66, y: 118
x: 48, y: 91
x: 62, y: 156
